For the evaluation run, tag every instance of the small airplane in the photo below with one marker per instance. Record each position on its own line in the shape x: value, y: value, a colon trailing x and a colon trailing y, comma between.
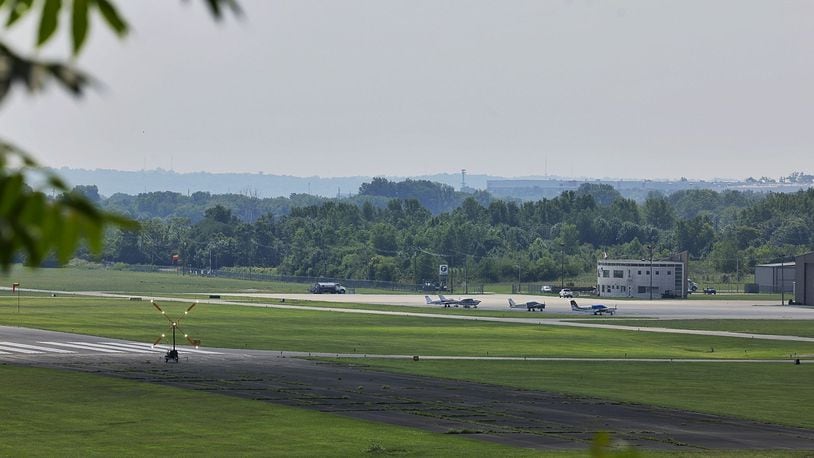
x: 469, y: 302
x: 530, y: 305
x: 596, y: 309
x: 441, y: 301
x: 448, y: 302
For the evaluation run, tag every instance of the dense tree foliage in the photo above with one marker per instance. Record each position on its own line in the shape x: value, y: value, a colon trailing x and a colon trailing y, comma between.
x: 398, y: 239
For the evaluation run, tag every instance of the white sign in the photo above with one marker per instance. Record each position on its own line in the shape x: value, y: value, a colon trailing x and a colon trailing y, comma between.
x: 443, y: 269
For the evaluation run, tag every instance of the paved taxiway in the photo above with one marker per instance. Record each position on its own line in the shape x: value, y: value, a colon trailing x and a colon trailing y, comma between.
x: 662, y: 308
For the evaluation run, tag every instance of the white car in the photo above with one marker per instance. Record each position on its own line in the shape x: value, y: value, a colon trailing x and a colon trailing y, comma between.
x: 546, y: 289
x: 565, y: 292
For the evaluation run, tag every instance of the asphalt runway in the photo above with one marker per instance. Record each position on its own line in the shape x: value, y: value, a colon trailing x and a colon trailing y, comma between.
x: 522, y: 418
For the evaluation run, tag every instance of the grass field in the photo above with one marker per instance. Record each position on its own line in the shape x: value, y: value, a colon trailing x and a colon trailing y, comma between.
x: 112, y: 411
x: 801, y: 328
x: 58, y: 413
x: 747, y: 390
x: 78, y: 279
x: 304, y: 330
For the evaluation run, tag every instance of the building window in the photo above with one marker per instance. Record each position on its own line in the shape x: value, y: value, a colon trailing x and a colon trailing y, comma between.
x: 618, y: 274
x: 640, y: 272
x: 606, y: 273
x: 669, y: 272
x: 642, y: 289
x: 657, y: 272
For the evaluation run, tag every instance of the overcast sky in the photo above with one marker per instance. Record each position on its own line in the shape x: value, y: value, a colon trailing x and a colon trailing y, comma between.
x: 623, y: 89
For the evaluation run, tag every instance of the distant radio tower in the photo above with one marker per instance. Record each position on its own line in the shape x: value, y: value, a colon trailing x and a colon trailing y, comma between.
x: 463, y: 179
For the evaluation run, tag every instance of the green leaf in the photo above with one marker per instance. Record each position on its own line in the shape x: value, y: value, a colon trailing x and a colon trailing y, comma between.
x: 112, y: 17
x: 49, y: 20
x: 18, y: 9
x: 216, y: 7
x: 69, y: 237
x: 10, y: 191
x: 79, y: 24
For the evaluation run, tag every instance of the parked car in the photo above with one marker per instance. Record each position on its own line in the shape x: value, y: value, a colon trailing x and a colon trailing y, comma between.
x: 710, y: 291
x: 565, y: 292
x: 546, y: 289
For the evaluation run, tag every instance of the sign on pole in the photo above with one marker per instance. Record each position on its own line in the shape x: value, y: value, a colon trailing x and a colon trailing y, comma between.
x: 443, y: 269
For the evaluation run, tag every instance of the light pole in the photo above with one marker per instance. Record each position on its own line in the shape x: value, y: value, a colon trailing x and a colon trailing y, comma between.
x: 562, y: 266
x: 518, y: 278
x: 782, y: 280
x: 650, y: 248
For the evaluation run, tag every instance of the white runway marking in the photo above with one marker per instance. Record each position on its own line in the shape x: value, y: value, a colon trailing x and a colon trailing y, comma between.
x: 21, y: 350
x: 112, y: 346
x: 139, y: 348
x: 83, y: 346
x: 34, y: 347
x: 190, y: 350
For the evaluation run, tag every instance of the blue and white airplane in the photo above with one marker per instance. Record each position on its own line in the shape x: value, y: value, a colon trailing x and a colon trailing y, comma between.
x: 596, y: 309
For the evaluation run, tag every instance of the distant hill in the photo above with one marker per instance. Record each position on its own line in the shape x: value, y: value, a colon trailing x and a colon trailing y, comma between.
x: 262, y: 185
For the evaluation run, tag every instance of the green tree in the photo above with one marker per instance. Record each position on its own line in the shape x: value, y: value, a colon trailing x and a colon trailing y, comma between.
x: 657, y: 212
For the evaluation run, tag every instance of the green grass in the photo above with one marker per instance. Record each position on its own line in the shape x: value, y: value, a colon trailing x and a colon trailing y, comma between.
x: 801, y: 328
x: 59, y: 413
x: 145, y: 283
x: 775, y: 393
x: 315, y: 331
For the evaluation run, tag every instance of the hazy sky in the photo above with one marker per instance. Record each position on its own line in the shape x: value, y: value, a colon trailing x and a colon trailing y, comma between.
x: 626, y: 89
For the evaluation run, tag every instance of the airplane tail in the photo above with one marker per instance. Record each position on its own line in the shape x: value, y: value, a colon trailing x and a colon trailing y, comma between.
x: 427, y: 298
x: 512, y: 303
x: 441, y: 296
x: 574, y: 306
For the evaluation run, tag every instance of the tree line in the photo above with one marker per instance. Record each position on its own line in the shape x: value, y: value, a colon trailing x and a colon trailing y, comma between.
x: 386, y: 233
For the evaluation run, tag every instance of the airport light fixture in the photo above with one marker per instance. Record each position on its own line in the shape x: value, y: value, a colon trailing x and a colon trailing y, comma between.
x: 173, y: 353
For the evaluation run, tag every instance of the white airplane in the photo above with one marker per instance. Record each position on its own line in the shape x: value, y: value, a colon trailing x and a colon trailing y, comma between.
x: 447, y: 301
x: 441, y: 301
x: 596, y: 309
x: 530, y: 305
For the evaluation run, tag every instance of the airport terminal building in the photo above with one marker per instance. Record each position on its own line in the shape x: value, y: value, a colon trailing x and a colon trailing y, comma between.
x: 641, y: 279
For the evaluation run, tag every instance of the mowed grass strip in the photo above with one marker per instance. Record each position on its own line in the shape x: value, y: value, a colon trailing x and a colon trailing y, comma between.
x: 58, y: 413
x: 800, y: 328
x: 79, y: 279
x: 775, y: 393
x: 264, y: 328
